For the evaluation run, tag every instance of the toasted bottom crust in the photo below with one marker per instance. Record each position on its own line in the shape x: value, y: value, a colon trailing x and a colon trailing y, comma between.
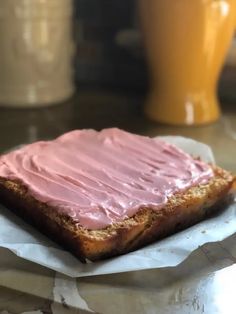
x: 181, y: 211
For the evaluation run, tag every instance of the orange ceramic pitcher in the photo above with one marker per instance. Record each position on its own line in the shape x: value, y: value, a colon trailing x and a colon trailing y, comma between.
x: 187, y: 42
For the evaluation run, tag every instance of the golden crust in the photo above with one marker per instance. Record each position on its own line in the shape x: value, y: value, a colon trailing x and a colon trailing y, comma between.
x: 181, y: 211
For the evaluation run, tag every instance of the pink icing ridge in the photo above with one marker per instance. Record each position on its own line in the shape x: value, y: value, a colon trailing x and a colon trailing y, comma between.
x: 99, y: 178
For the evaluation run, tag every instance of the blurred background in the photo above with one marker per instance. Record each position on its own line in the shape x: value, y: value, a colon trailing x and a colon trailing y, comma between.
x: 104, y: 54
x: 110, y: 50
x: 102, y: 40
x: 93, y: 61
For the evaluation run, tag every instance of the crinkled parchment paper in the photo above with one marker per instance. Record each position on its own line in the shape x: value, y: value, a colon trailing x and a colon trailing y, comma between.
x: 29, y: 244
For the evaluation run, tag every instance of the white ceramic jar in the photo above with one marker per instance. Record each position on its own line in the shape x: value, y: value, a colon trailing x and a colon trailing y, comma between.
x: 36, y: 51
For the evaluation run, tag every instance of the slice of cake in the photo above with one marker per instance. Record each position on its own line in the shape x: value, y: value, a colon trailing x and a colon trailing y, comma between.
x: 106, y: 193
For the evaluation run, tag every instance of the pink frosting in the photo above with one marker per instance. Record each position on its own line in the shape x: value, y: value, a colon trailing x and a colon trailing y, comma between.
x: 99, y: 178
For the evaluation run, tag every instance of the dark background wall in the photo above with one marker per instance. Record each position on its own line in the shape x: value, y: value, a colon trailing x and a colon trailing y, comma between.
x: 100, y: 60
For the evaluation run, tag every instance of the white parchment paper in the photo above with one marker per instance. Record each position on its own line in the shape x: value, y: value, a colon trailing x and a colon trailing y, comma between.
x: 29, y: 244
